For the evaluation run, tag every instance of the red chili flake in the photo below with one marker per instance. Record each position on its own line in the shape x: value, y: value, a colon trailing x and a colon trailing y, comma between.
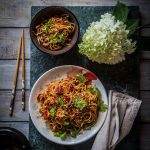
x: 45, y: 116
x: 70, y: 87
x: 55, y: 101
x: 59, y: 119
x: 47, y: 103
x: 38, y: 97
x: 67, y: 99
x: 80, y: 94
x: 62, y: 22
x: 58, y: 90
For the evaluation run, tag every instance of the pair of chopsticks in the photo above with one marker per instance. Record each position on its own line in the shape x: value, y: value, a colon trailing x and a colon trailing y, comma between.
x: 20, y: 50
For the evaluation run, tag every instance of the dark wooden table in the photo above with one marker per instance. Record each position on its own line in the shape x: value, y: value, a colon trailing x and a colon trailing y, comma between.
x: 15, y: 16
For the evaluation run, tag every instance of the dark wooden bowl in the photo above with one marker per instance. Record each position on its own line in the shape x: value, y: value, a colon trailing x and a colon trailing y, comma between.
x: 11, y: 139
x: 45, y: 14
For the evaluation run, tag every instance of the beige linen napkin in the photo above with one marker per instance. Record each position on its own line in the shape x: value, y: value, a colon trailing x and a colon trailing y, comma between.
x: 122, y: 111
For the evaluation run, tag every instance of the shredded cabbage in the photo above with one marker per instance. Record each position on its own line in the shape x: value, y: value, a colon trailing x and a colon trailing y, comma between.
x: 106, y: 41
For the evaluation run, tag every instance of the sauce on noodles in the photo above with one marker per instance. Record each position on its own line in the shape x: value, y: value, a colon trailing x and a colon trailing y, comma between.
x: 69, y: 105
x: 55, y: 33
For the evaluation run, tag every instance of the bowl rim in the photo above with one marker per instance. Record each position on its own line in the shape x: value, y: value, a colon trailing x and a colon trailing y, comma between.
x: 15, y: 132
x: 34, y: 85
x: 58, y: 52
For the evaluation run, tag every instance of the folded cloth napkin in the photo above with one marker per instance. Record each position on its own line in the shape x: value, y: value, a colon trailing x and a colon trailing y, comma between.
x: 122, y: 111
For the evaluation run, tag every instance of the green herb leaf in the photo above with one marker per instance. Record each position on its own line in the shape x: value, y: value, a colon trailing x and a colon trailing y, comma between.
x: 57, y: 39
x: 103, y: 107
x: 132, y: 25
x: 95, y: 90
x: 56, y: 134
x: 52, y: 111
x: 48, y: 26
x: 98, y: 93
x: 72, y: 123
x: 120, y: 12
x: 91, y: 89
x: 60, y: 39
x: 88, y: 127
x: 60, y: 101
x: 100, y: 102
x: 66, y: 123
x: 79, y: 102
x: 61, y: 134
x: 74, y: 133
x: 81, y: 78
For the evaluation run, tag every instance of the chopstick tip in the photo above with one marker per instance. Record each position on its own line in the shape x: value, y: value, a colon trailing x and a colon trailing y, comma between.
x: 10, y: 112
x: 23, y: 106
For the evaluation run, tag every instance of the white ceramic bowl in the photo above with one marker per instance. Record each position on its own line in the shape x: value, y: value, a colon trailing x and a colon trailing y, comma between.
x: 47, y: 77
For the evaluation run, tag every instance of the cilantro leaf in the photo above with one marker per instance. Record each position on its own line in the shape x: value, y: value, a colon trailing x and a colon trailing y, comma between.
x: 98, y: 93
x: 53, y: 111
x: 60, y: 101
x: 48, y: 26
x: 60, y: 39
x: 60, y: 134
x: 88, y: 127
x: 91, y: 89
x: 81, y: 78
x: 74, y: 133
x: 95, y: 90
x: 66, y: 123
x: 63, y: 135
x: 79, y: 103
x: 103, y: 107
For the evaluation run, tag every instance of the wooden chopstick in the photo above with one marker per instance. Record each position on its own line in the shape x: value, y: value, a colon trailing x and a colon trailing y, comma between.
x: 23, y: 73
x: 15, y: 79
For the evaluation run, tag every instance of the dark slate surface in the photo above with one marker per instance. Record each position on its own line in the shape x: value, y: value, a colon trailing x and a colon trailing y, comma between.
x: 122, y: 77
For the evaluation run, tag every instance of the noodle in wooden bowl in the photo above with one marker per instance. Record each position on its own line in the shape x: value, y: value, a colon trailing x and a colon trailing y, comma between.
x: 54, y: 30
